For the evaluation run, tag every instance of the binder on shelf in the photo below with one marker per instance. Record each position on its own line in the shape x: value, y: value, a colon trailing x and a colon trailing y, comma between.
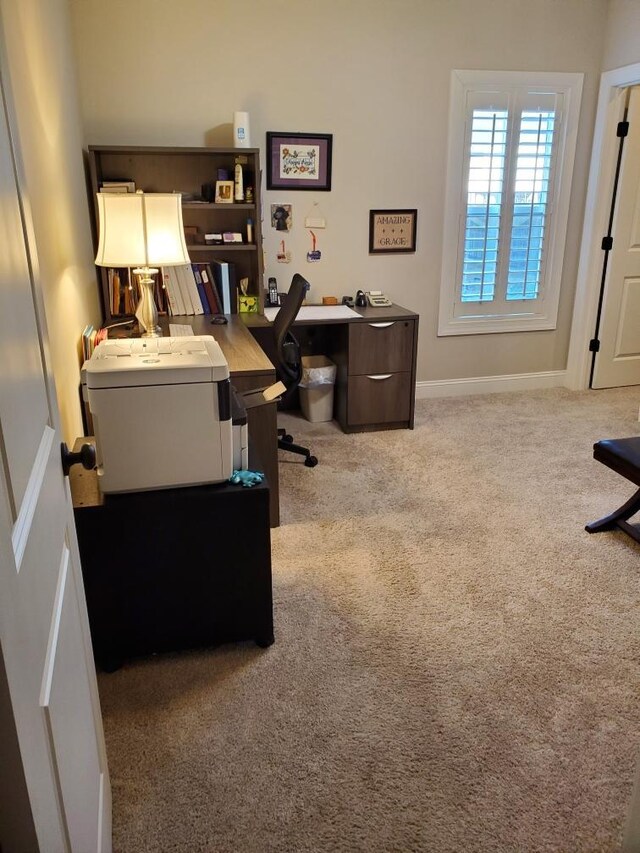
x: 224, y: 275
x: 176, y: 291
x: 201, y: 290
x: 184, y: 291
x: 189, y: 282
x: 210, y: 288
x: 171, y: 301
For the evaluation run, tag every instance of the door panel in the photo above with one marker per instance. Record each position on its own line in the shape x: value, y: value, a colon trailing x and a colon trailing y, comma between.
x: 618, y: 361
x: 628, y: 334
x: 44, y: 631
x: 66, y: 692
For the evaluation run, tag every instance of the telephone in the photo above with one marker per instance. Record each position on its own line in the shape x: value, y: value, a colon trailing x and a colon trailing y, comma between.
x: 377, y: 299
x: 274, y: 296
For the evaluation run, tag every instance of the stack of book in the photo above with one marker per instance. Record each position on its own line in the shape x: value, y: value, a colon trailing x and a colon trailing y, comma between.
x: 90, y: 339
x: 208, y: 288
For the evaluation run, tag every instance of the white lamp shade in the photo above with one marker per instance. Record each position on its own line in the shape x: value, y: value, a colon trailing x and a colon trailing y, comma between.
x: 141, y: 229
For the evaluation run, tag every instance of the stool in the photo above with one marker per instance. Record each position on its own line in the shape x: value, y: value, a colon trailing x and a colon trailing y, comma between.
x: 621, y: 455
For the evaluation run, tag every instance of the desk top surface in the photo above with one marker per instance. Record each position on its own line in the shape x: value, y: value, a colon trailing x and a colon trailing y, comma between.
x: 365, y: 315
x: 243, y: 353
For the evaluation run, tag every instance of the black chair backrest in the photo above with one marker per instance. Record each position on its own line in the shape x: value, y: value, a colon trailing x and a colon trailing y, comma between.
x: 287, y: 348
x: 289, y: 311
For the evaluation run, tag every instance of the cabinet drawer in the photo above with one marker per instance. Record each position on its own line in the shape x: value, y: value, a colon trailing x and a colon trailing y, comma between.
x: 385, y: 347
x: 379, y: 398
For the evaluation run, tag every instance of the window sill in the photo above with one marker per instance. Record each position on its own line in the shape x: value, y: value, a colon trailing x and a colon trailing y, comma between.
x: 494, y: 325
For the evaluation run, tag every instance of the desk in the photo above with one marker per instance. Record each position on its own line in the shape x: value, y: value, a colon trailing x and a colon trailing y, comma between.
x: 375, y: 353
x: 174, y: 568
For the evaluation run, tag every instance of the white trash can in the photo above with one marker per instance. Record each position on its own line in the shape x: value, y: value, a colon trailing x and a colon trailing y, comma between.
x: 316, y: 388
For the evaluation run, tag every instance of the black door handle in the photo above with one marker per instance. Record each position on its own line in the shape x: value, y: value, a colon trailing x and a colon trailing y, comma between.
x: 86, y: 456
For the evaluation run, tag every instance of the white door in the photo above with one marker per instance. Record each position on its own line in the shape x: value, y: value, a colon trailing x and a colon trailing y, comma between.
x: 44, y: 632
x: 618, y: 361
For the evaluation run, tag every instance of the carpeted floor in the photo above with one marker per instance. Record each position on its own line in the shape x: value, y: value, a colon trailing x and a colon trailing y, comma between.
x: 456, y: 665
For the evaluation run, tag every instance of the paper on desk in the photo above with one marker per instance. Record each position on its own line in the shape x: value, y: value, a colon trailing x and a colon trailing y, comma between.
x: 317, y: 312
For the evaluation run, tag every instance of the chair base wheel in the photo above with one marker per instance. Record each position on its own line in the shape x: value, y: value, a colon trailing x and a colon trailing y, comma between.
x: 311, y: 461
x: 286, y: 437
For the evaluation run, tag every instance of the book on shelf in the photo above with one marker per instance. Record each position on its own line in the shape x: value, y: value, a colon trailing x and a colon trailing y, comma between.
x: 123, y: 291
x: 224, y: 276
x: 160, y: 293
x: 118, y: 187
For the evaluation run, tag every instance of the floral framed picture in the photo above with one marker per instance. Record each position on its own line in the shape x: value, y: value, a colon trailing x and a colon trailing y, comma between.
x: 299, y: 161
x: 392, y: 231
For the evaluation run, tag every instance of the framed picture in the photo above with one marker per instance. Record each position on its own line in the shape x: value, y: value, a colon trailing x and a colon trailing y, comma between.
x: 392, y: 231
x: 281, y: 217
x: 299, y: 161
x: 224, y: 192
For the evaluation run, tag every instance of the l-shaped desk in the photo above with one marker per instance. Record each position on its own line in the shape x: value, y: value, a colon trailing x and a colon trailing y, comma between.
x: 375, y: 354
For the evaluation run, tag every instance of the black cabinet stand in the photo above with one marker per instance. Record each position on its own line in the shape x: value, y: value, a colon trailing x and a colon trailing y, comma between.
x: 173, y: 569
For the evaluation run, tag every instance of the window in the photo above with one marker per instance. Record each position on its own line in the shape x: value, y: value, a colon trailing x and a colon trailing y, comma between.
x: 511, y: 149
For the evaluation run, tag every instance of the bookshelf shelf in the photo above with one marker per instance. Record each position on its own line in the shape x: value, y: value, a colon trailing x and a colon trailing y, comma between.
x: 186, y: 170
x: 224, y: 247
x: 198, y: 205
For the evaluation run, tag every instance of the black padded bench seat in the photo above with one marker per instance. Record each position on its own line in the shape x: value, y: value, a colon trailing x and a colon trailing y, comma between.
x: 623, y: 456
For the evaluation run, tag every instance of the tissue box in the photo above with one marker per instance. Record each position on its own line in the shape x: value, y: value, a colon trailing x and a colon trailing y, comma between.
x: 247, y: 304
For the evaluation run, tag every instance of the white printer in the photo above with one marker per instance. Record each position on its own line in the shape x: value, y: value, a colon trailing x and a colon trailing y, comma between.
x: 161, y: 411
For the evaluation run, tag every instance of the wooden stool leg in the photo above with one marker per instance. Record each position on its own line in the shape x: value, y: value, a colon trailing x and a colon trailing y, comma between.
x: 619, y: 518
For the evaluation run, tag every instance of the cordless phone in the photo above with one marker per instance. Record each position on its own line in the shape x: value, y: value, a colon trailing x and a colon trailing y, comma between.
x: 274, y: 298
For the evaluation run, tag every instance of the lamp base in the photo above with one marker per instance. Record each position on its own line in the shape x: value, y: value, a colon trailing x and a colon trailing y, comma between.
x: 146, y: 312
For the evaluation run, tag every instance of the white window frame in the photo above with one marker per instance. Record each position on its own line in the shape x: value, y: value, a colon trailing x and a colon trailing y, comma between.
x: 455, y: 318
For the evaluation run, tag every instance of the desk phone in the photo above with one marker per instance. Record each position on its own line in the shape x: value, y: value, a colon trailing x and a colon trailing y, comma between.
x: 377, y: 299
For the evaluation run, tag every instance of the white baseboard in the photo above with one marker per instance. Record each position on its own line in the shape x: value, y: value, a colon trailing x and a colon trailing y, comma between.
x: 491, y: 384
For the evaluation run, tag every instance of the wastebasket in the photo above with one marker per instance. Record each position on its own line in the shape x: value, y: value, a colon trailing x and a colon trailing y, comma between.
x: 316, y: 387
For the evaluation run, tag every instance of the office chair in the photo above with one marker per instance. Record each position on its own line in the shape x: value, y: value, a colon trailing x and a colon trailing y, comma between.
x: 289, y: 367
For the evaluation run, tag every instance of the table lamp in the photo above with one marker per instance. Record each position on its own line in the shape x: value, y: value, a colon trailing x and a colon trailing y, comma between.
x: 144, y: 231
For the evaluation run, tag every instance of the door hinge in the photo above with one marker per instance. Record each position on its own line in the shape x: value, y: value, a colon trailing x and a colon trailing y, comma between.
x: 607, y: 244
x: 623, y: 128
x: 594, y: 345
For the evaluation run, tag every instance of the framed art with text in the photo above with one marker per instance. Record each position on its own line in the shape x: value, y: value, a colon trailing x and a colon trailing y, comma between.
x: 392, y: 231
x: 299, y: 161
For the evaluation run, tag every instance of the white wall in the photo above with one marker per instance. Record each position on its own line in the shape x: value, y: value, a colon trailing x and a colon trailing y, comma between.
x: 622, y: 39
x: 42, y: 71
x: 376, y: 75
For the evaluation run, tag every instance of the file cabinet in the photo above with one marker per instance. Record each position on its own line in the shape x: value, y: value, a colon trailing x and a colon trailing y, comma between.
x: 379, y: 379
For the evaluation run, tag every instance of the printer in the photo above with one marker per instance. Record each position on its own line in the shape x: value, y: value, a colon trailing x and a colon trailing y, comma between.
x: 162, y: 413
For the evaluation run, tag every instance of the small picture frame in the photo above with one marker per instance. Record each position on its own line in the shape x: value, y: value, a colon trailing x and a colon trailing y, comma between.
x: 299, y: 161
x: 281, y: 217
x: 224, y: 192
x: 392, y: 231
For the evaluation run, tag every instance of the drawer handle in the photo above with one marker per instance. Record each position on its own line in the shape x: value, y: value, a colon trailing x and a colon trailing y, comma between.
x: 382, y: 325
x: 380, y: 376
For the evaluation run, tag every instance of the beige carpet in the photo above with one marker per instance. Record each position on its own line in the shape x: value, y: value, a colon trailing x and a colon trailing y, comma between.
x: 456, y: 666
